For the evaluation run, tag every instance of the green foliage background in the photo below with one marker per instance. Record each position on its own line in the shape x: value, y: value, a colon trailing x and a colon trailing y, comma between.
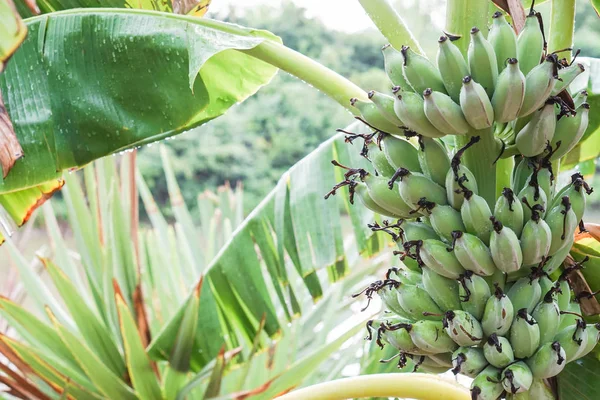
x: 257, y: 142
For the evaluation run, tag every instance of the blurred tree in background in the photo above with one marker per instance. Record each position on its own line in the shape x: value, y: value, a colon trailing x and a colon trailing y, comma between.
x: 257, y: 142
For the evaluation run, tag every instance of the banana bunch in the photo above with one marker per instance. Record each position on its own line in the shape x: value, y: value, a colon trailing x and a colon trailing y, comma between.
x: 475, y: 293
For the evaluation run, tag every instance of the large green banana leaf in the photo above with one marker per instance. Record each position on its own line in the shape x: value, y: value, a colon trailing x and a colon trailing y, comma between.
x: 89, y: 83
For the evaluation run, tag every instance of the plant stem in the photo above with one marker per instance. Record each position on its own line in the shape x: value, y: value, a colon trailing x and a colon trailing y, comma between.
x: 390, y: 24
x: 329, y: 82
x: 562, y: 25
x: 414, y: 386
x: 462, y: 15
x: 504, y: 167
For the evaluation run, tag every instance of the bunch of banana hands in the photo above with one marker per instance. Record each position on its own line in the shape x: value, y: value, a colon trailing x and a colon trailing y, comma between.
x: 476, y: 293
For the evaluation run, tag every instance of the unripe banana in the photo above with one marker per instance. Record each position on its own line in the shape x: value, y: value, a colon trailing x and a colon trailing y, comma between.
x: 533, y: 197
x: 534, y: 137
x: 476, y: 214
x: 393, y: 62
x: 385, y: 105
x: 509, y: 211
x: 371, y: 115
x: 546, y: 285
x: 445, y: 115
x: 573, y: 339
x: 406, y: 276
x: 510, y: 92
x: 505, y: 248
x: 410, y: 108
x: 562, y: 222
x: 389, y: 297
x: 414, y: 186
x: 468, y: 361
x: 592, y: 340
x: 475, y: 104
x: 498, y: 278
x: 498, y: 314
x: 416, y: 301
x: 570, y: 317
x: 487, y: 385
x: 363, y: 194
x: 576, y: 191
x: 535, y: 241
x: 521, y: 173
x: 538, y: 85
x: 517, y: 378
x: 525, y: 294
x: 441, y: 359
x: 579, y: 98
x: 548, y: 361
x: 569, y: 130
x: 564, y: 295
x: 443, y: 219
x: 435, y: 255
x: 530, y: 44
x: 545, y: 178
x: 547, y: 315
x: 503, y: 39
x: 379, y: 161
x: 452, y: 66
x: 498, y: 351
x: 434, y: 160
x: 386, y: 333
x: 524, y: 335
x: 431, y: 337
x: 454, y: 180
x: 420, y: 73
x: 400, y: 153
x: 463, y: 328
x: 443, y: 291
x: 566, y: 76
x: 474, y: 293
x: 482, y: 61
x: 387, y: 199
x: 414, y: 230
x: 472, y: 253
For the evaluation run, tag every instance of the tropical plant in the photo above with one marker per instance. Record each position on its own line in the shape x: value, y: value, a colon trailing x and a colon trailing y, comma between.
x: 293, y: 220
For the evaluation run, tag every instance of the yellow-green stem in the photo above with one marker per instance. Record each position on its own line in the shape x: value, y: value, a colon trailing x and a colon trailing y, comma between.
x: 504, y: 167
x: 414, y: 386
x: 562, y: 24
x: 390, y: 24
x: 462, y: 15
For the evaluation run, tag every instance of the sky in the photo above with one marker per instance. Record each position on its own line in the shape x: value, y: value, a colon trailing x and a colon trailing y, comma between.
x: 341, y: 15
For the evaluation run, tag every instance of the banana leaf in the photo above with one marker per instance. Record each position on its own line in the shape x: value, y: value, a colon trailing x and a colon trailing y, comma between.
x: 89, y: 83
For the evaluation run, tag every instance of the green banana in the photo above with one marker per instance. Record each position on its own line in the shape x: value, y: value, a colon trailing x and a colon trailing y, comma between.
x: 564, y: 295
x: 452, y: 66
x: 413, y: 186
x: 385, y: 105
x: 498, y: 351
x: 468, y: 361
x: 505, y: 248
x: 406, y: 276
x: 568, y: 318
x: 443, y: 291
x: 410, y: 108
x: 482, y: 61
x: 474, y: 293
x: 414, y: 230
x: 434, y: 160
x: 379, y: 161
x: 530, y: 44
x: 498, y: 278
x: 538, y: 85
x: 547, y: 315
x: 509, y: 211
x: 445, y: 115
x: 476, y: 214
x: 510, y: 93
x: 524, y: 335
x: 393, y: 61
x: 360, y: 189
x: 525, y: 293
x: 521, y: 173
x: 592, y: 340
x: 434, y: 254
x: 487, y: 384
x: 548, y: 361
x: 420, y: 73
x: 371, y: 115
x: 459, y: 180
x: 535, y: 240
x: 569, y: 130
x: 444, y: 219
x: 475, y: 104
x: 534, y: 197
x: 546, y: 285
x: 517, y: 378
x: 463, y: 328
x: 557, y: 259
x: 498, y: 314
x: 562, y: 222
x: 576, y: 191
x: 388, y: 199
x: 579, y: 98
x: 534, y: 137
x: 388, y: 291
x: 545, y: 177
x: 430, y: 336
x: 400, y: 153
x: 566, y: 76
x: 416, y: 301
x: 503, y: 39
x: 573, y: 339
x: 472, y: 253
